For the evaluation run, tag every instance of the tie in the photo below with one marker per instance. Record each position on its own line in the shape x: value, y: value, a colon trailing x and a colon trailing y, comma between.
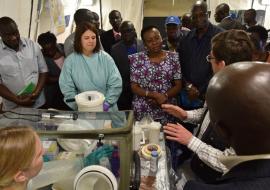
x: 117, y: 37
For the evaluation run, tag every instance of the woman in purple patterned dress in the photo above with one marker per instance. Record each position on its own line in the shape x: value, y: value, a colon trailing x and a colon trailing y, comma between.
x: 155, y: 77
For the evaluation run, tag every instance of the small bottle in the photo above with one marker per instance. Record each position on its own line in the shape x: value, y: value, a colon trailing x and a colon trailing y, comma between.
x: 154, y: 163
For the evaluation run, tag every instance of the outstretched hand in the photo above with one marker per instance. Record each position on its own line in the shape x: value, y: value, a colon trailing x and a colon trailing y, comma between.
x: 176, y: 111
x: 177, y: 133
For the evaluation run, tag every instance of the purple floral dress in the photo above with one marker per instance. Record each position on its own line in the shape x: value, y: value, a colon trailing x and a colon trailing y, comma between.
x: 153, y: 77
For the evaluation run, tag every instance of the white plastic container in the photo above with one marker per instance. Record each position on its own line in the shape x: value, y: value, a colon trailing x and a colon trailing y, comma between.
x: 90, y: 101
x: 137, y: 136
x: 95, y: 177
x: 154, y: 132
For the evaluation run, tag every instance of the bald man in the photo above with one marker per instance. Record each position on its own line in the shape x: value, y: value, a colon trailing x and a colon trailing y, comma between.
x: 227, y: 47
x: 222, y: 16
x: 241, y: 116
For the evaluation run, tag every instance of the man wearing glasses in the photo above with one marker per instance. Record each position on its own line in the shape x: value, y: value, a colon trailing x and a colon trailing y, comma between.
x: 227, y: 48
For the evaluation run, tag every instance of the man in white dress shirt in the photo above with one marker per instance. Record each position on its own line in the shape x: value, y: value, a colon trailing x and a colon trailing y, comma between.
x: 227, y: 48
x: 21, y: 63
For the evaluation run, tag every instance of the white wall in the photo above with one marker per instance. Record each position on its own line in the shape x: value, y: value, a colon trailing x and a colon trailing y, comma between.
x: 130, y: 10
x: 162, y: 8
x: 18, y: 11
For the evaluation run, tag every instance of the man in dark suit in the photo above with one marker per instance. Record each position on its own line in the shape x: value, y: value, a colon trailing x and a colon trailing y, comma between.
x: 222, y: 16
x: 239, y: 112
x: 111, y: 37
x: 120, y: 51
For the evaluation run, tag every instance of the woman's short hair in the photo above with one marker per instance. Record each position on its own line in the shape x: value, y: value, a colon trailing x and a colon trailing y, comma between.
x: 146, y: 29
x: 232, y: 46
x: 80, y: 29
x: 17, y: 149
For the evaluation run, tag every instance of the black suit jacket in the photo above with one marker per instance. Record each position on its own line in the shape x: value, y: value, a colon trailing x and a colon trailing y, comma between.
x: 249, y: 175
x: 107, y: 40
x: 120, y: 56
x: 229, y: 23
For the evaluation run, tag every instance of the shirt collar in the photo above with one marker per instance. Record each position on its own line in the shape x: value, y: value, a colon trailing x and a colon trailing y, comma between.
x: 208, y: 32
x: 171, y: 48
x: 22, y: 44
x: 231, y: 161
x: 116, y: 33
x: 226, y: 18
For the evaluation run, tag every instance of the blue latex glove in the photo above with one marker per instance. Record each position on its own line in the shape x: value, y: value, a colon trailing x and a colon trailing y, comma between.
x: 94, y: 157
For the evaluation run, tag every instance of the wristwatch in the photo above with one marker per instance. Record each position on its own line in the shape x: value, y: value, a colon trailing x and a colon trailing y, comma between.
x: 188, y: 87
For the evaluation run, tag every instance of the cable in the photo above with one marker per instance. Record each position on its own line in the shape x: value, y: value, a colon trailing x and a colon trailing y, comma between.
x: 20, y: 118
x: 22, y: 114
x: 28, y: 114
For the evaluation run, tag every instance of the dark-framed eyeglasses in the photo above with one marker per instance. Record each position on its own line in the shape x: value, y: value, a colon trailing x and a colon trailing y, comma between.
x: 209, y: 58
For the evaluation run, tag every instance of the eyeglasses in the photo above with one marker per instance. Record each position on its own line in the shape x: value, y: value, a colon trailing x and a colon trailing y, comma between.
x: 209, y: 58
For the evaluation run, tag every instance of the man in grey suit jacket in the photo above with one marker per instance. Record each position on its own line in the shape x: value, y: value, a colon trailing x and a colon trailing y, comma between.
x: 239, y: 112
x: 222, y: 16
x: 120, y: 51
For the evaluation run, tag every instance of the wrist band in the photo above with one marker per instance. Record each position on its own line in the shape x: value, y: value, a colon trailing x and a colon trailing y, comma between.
x: 189, y: 86
x: 146, y: 93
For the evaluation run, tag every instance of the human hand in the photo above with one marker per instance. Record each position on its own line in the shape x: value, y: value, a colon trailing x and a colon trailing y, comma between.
x: 35, y: 95
x: 25, y: 100
x: 193, y: 92
x: 177, y: 133
x: 159, y: 98
x: 152, y: 102
x: 176, y: 111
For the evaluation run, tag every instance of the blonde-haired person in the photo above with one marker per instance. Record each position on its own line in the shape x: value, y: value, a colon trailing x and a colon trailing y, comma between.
x: 21, y: 157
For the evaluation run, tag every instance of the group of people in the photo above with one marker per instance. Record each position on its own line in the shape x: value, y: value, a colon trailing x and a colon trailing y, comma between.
x: 166, y: 79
